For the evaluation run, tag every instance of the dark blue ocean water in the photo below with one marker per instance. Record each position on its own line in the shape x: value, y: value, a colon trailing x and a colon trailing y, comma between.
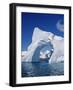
x: 43, y: 68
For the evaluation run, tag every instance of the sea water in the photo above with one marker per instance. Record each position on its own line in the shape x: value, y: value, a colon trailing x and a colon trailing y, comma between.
x: 43, y: 68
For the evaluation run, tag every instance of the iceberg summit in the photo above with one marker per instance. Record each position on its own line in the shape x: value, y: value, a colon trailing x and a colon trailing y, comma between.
x: 44, y: 45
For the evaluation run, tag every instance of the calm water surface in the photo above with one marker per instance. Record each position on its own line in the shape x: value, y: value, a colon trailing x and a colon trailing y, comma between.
x: 43, y: 68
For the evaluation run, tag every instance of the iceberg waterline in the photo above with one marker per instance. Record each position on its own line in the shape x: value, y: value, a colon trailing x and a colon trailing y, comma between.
x: 42, y: 39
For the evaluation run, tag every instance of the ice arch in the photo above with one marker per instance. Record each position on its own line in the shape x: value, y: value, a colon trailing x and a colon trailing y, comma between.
x: 41, y: 39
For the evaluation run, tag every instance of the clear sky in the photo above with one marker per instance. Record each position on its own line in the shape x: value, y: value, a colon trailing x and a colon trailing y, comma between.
x: 46, y: 22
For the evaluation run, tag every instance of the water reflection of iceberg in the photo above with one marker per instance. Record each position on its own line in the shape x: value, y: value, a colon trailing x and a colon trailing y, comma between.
x: 30, y: 69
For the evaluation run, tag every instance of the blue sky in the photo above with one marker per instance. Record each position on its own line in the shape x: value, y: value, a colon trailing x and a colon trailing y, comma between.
x: 46, y: 22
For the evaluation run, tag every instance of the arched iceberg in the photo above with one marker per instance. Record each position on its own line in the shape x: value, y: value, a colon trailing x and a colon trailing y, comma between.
x: 40, y: 40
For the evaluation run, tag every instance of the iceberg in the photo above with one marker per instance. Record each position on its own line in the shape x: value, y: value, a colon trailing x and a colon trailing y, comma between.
x: 58, y: 45
x: 40, y: 40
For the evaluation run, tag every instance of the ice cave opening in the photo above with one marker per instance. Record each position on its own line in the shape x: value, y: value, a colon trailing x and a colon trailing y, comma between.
x: 43, y: 52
